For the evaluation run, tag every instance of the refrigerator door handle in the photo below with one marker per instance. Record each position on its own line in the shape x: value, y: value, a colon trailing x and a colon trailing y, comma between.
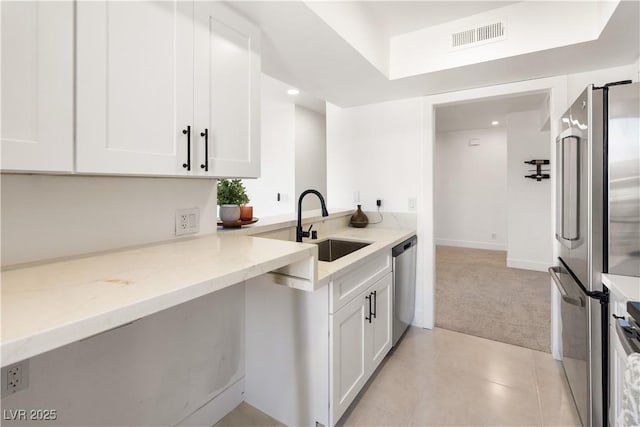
x: 553, y: 271
x: 579, y: 302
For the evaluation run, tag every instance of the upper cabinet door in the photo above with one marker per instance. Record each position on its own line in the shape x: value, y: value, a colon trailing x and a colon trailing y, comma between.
x: 37, y: 86
x: 227, y: 84
x: 135, y: 87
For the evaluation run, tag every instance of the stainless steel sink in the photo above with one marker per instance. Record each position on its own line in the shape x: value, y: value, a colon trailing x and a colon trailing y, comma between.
x: 331, y: 249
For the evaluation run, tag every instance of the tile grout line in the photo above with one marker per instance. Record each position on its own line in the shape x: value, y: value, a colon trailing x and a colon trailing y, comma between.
x: 535, y: 372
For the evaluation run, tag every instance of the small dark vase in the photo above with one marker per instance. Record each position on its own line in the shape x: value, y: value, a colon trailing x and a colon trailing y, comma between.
x: 359, y: 219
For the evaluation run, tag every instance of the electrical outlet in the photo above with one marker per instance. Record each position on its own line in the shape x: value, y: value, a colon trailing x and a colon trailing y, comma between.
x: 379, y: 203
x: 187, y: 221
x: 356, y: 197
x: 412, y: 203
x: 493, y: 236
x: 15, y: 377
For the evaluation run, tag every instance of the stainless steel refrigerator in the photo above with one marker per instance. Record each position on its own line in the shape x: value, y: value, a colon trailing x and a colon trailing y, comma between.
x: 598, y: 226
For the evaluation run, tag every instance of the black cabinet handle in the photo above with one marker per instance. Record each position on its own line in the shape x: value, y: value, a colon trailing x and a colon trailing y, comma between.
x: 205, y: 166
x: 368, y: 297
x: 187, y: 132
x: 375, y: 303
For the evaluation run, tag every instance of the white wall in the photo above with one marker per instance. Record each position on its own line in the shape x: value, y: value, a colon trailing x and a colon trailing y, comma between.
x: 376, y: 151
x: 277, y: 141
x: 530, y: 233
x: 152, y: 372
x: 311, y: 155
x: 405, y: 126
x: 471, y: 189
x: 293, y: 151
x: 46, y: 216
x: 576, y: 83
x: 157, y: 370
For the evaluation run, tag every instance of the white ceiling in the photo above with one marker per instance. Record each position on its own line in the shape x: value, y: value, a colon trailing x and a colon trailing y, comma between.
x: 299, y: 48
x: 479, y: 114
x: 400, y: 17
x: 277, y: 90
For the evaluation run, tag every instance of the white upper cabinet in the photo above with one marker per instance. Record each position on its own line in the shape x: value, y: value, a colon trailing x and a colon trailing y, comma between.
x: 37, y: 86
x: 134, y: 87
x: 227, y: 84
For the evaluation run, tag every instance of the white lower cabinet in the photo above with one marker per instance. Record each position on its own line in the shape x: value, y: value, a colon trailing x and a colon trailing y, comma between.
x: 305, y: 362
x: 382, y: 325
x: 617, y: 359
x: 618, y: 364
x: 360, y: 338
x: 350, y: 339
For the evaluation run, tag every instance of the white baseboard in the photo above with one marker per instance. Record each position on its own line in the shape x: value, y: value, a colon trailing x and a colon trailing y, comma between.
x: 215, y: 409
x: 418, y: 319
x: 471, y: 244
x: 527, y: 265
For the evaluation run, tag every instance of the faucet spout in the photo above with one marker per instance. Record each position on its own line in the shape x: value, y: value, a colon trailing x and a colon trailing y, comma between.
x: 300, y: 233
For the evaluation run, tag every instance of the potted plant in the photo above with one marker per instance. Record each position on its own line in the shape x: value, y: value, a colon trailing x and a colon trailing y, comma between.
x: 231, y: 194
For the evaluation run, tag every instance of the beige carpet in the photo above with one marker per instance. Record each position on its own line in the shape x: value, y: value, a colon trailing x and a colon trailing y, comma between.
x: 478, y: 295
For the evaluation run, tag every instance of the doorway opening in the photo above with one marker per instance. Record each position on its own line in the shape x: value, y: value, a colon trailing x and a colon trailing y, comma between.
x: 492, y: 224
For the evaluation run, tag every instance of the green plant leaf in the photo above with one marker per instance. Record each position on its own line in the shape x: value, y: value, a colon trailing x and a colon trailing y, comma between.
x: 232, y: 192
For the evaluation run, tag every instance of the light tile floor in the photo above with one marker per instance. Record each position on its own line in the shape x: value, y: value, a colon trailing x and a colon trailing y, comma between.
x: 445, y: 378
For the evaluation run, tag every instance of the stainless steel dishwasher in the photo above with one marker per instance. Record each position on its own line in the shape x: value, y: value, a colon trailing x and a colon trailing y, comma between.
x: 404, y: 285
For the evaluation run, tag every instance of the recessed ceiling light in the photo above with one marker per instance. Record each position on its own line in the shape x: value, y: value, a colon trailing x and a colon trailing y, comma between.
x: 495, y: 123
x: 293, y: 91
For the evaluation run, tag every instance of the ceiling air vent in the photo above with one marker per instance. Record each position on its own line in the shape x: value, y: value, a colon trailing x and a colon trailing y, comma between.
x: 479, y: 35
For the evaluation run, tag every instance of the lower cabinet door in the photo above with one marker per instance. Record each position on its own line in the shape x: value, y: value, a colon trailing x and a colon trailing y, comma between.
x: 618, y: 365
x: 350, y: 341
x: 381, y: 327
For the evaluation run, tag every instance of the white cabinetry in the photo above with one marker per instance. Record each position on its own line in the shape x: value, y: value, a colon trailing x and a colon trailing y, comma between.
x: 382, y: 325
x: 317, y: 349
x: 156, y: 81
x: 227, y: 81
x: 617, y: 358
x: 134, y: 86
x: 350, y: 340
x: 37, y: 86
x: 360, y: 338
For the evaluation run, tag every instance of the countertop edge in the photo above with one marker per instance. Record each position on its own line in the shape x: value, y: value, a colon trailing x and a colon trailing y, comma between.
x: 50, y: 339
x: 626, y: 286
x: 43, y: 340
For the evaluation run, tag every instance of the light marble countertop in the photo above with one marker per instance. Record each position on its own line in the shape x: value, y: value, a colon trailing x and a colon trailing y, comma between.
x: 48, y: 305
x: 626, y: 287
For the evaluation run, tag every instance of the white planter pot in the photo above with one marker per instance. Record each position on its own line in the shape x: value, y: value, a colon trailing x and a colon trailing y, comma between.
x: 229, y: 213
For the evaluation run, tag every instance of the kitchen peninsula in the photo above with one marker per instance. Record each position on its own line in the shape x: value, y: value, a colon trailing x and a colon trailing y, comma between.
x: 49, y: 305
